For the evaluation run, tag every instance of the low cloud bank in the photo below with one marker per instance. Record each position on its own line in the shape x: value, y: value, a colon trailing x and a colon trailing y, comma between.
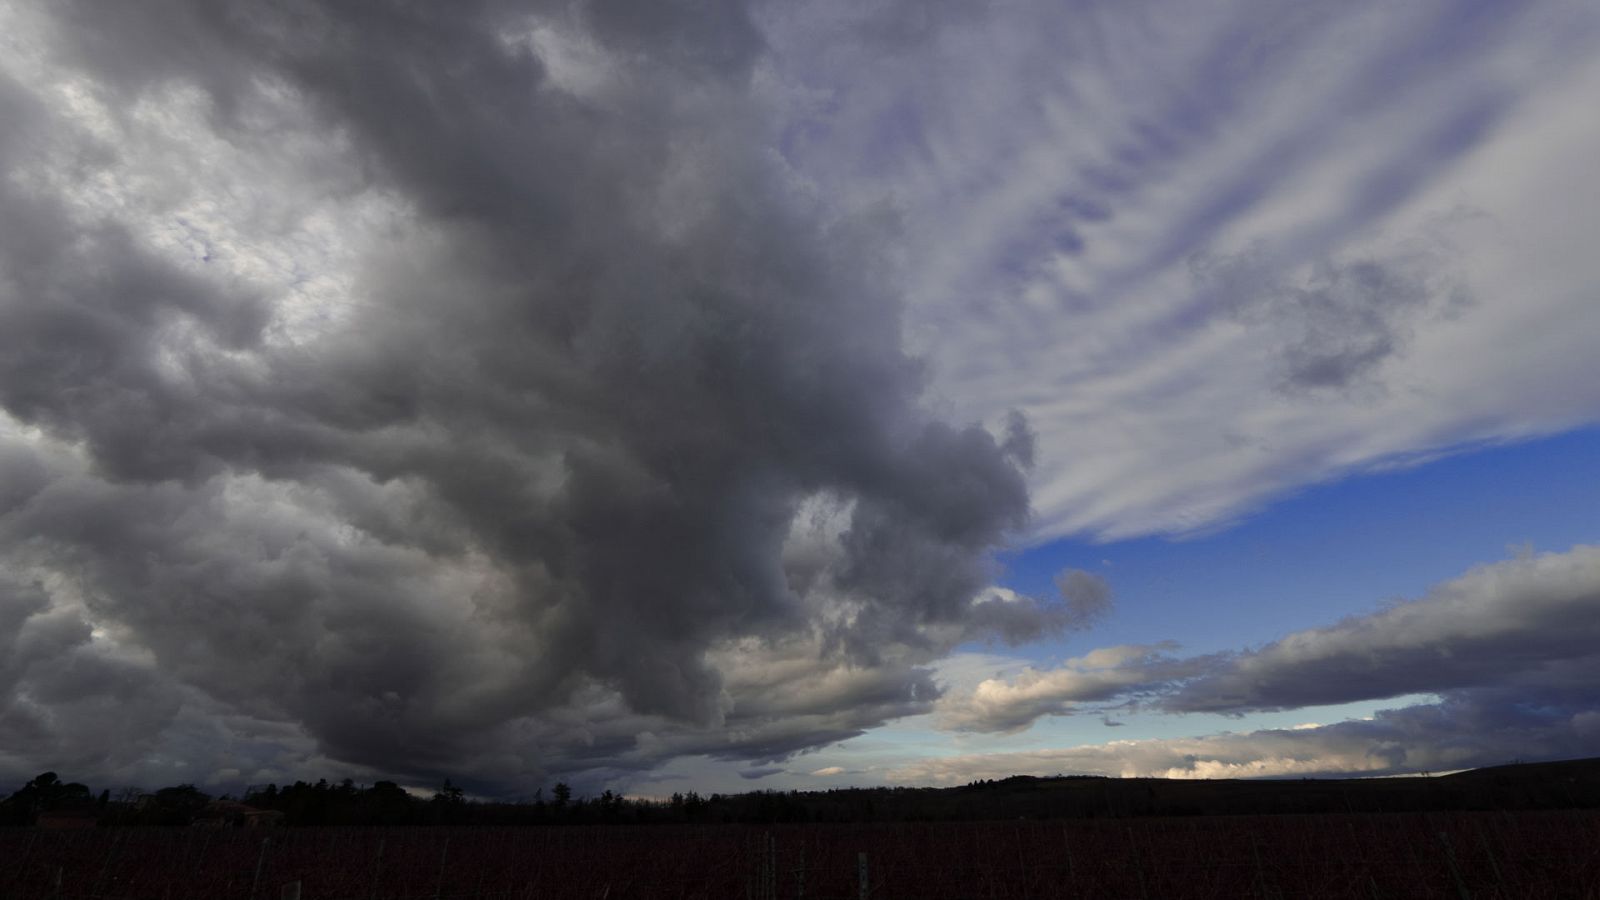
x: 1512, y: 649
x: 1458, y: 733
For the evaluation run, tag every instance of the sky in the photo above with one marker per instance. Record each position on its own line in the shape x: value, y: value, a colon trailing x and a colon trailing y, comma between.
x: 737, y: 394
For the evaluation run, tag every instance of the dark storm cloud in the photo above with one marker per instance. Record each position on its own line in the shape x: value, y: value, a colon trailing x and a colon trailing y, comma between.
x: 538, y: 493
x: 717, y: 37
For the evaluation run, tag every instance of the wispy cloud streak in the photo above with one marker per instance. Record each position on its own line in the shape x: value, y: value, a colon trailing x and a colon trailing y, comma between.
x: 1221, y: 250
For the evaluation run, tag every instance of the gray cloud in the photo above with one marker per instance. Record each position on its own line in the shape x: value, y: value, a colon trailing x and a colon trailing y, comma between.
x: 1524, y: 622
x: 592, y: 424
x: 1500, y: 640
x: 1084, y: 599
x: 1454, y: 734
x: 1087, y: 596
x: 1343, y: 321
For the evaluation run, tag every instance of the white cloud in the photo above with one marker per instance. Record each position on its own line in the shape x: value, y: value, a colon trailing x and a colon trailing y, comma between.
x: 1050, y: 230
x: 1008, y: 704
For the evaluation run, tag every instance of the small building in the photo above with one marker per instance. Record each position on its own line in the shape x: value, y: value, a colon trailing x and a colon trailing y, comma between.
x: 233, y: 814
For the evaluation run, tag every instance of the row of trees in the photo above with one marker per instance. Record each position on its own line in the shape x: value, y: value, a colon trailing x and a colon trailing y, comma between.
x: 45, y: 793
x: 1564, y: 785
x: 347, y: 803
x: 386, y: 803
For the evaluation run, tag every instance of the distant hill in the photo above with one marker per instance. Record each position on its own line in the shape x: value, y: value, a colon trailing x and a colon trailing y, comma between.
x: 1573, y: 784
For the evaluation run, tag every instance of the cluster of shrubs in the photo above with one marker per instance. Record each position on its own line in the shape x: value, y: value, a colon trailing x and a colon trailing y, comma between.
x: 47, y: 798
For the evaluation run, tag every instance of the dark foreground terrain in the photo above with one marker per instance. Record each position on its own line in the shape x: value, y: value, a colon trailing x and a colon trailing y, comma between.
x: 1401, y: 855
x: 1527, y: 830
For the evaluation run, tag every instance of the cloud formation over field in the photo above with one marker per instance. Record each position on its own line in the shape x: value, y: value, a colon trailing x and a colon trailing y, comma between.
x: 454, y: 388
x: 1511, y: 649
x: 513, y: 388
x: 1458, y: 733
x: 1529, y: 625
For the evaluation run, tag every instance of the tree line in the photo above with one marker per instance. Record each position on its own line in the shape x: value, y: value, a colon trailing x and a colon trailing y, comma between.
x: 1559, y: 785
x: 387, y: 803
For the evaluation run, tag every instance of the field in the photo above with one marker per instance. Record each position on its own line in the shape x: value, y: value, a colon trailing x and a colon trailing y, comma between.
x: 1446, y: 855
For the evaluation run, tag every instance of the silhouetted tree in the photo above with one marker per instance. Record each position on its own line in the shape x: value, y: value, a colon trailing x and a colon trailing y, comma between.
x: 45, y: 792
x: 449, y: 794
x: 175, y: 805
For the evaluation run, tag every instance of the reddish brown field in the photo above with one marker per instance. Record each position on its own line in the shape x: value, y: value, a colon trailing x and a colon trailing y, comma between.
x: 1445, y: 855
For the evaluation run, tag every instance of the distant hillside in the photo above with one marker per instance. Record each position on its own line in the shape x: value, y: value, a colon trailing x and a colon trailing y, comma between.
x: 1573, y: 784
